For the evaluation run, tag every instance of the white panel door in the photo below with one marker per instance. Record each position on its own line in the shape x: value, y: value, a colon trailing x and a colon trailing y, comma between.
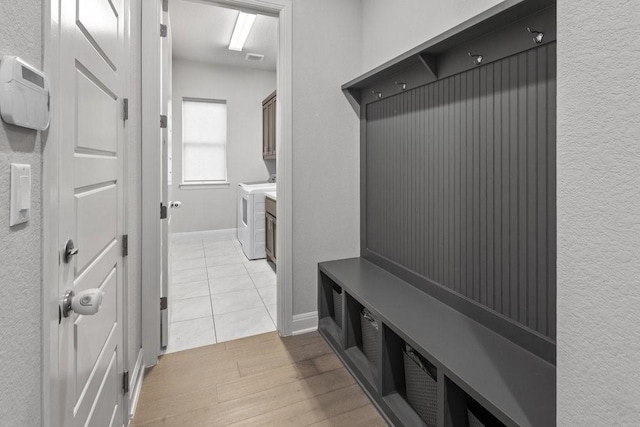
x: 92, y: 208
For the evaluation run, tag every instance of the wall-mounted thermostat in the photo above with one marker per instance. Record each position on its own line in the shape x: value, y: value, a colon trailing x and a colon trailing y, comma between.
x: 24, y: 94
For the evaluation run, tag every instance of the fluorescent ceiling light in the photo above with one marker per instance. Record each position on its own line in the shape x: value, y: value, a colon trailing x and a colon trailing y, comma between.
x: 241, y: 30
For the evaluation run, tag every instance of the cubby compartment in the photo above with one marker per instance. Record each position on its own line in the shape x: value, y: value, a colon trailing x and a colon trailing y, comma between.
x: 462, y: 410
x: 331, y: 307
x: 362, y: 344
x: 410, y: 382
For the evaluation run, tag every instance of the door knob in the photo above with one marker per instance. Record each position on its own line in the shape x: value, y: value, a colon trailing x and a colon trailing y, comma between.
x: 176, y: 204
x: 86, y: 302
x: 69, y: 250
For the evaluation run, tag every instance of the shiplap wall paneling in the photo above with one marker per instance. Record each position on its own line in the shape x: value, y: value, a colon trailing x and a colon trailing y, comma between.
x: 460, y: 184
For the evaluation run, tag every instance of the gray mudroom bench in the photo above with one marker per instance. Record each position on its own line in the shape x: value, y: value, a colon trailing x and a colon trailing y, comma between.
x: 472, y: 361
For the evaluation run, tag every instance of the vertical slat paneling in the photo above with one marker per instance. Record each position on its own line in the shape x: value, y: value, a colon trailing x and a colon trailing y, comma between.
x: 514, y: 280
x: 457, y: 173
x: 531, y: 191
x: 498, y: 171
x: 461, y: 184
x: 522, y: 188
x: 475, y: 164
x: 420, y: 175
x: 505, y: 163
x: 542, y: 194
x: 551, y: 190
x: 490, y: 218
x: 444, y: 181
x: 482, y: 187
x: 491, y: 187
x: 469, y: 248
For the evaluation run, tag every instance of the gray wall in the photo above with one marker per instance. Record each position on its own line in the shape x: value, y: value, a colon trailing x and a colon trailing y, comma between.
x: 389, y: 28
x: 21, y: 253
x: 244, y: 90
x: 598, y: 213
x: 326, y: 54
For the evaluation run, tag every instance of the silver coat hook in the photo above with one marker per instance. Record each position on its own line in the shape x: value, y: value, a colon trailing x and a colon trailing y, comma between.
x: 403, y: 86
x: 377, y: 94
x: 537, y: 35
x: 477, y: 59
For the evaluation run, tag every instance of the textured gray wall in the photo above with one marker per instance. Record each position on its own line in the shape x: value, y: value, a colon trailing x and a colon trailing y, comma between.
x: 598, y: 213
x: 326, y: 47
x: 390, y: 28
x: 244, y: 89
x: 20, y: 252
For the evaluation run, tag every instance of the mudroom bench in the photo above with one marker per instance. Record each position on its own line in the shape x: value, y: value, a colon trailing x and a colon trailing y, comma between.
x: 373, y: 320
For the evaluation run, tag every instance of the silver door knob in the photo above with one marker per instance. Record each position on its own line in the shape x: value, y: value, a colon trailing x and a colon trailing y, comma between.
x: 86, y: 302
x: 175, y: 205
x: 69, y: 251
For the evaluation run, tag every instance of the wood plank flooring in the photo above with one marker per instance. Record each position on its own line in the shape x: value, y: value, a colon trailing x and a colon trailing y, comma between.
x: 262, y: 380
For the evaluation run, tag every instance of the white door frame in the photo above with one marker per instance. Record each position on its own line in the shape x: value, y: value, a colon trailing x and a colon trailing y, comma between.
x: 151, y: 181
x: 152, y: 163
x: 51, y: 399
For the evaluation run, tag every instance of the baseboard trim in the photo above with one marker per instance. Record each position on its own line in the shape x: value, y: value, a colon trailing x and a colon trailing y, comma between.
x: 135, y: 385
x: 226, y: 234
x: 305, y: 323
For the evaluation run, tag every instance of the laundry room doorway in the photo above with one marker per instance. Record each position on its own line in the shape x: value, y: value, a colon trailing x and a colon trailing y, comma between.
x: 225, y: 174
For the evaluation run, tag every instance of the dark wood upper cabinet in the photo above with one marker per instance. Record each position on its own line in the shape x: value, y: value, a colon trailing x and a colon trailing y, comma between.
x: 269, y: 127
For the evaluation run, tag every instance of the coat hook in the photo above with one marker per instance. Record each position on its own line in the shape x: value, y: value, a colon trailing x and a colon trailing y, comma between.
x: 537, y: 35
x: 477, y: 59
x: 403, y: 86
x: 377, y: 94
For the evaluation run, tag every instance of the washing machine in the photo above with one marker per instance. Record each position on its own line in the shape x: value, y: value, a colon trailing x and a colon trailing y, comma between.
x: 251, y: 217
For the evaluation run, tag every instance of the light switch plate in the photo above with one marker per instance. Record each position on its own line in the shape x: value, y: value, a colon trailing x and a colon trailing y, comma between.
x: 20, y: 206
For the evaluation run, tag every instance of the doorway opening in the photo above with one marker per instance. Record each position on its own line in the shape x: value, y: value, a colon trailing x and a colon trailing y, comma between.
x: 221, y: 275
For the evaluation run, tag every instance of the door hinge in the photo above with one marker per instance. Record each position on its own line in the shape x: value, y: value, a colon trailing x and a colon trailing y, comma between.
x: 163, y: 121
x: 125, y: 245
x: 163, y: 303
x: 163, y: 211
x: 163, y: 30
x: 165, y: 5
x: 125, y: 109
x: 125, y: 382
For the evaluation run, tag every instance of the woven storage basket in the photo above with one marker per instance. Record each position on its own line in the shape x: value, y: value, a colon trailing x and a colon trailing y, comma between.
x: 473, y: 420
x: 370, y: 336
x: 337, y: 306
x: 422, y: 388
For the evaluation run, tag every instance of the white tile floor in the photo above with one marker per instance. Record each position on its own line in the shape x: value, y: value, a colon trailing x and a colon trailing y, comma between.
x: 217, y: 294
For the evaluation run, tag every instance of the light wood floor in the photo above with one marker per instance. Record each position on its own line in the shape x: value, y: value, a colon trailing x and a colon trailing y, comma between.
x: 263, y: 380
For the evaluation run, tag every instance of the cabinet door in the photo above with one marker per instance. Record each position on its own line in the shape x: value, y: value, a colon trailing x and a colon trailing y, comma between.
x: 265, y: 130
x: 273, y: 238
x: 272, y: 136
x: 269, y: 236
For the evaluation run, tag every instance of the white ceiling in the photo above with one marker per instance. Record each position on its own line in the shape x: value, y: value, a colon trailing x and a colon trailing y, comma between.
x: 201, y: 32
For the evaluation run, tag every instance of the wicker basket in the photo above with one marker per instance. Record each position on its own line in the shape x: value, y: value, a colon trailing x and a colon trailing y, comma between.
x: 370, y: 336
x: 337, y: 306
x: 422, y: 388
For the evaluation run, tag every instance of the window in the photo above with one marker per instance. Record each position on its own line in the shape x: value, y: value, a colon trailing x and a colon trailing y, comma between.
x: 204, y: 141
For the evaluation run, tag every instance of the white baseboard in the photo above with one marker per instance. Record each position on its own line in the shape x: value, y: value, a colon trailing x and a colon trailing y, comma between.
x: 305, y: 323
x: 229, y: 233
x: 135, y: 385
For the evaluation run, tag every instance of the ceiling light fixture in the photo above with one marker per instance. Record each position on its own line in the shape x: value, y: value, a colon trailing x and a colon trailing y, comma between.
x: 241, y: 30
